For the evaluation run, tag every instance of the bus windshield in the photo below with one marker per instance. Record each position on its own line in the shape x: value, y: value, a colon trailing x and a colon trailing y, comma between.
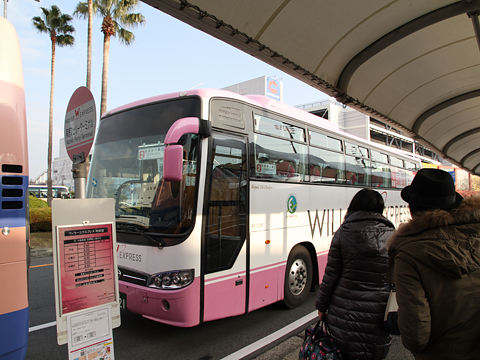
x: 128, y: 166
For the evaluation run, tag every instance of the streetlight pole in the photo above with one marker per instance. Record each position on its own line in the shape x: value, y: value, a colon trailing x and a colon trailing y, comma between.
x: 5, y: 7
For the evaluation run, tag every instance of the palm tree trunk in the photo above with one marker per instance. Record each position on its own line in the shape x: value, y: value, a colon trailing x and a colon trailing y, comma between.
x: 50, y: 129
x: 89, y: 44
x: 106, y: 55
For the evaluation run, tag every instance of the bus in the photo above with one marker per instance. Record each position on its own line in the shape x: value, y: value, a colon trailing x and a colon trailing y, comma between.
x: 14, y: 214
x: 227, y: 203
x: 40, y: 191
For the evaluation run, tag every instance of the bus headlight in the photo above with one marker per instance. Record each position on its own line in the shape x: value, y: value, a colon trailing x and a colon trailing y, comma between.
x: 172, y: 279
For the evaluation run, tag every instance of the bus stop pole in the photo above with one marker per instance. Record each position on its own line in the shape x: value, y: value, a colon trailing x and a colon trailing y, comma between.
x: 79, y: 170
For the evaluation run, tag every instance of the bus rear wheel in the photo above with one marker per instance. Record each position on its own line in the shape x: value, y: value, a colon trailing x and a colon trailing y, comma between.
x: 298, y: 277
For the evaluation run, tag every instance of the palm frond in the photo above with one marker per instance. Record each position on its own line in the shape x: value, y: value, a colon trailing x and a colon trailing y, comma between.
x: 81, y: 10
x: 66, y: 29
x: 133, y: 20
x: 39, y: 24
x: 53, y: 22
x: 65, y: 40
x: 65, y: 18
x: 125, y: 37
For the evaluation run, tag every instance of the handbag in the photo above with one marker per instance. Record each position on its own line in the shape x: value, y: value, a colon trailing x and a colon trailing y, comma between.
x: 390, y: 320
x: 319, y: 345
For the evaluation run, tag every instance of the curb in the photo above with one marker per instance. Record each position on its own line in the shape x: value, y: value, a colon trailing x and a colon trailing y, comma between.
x: 41, y: 252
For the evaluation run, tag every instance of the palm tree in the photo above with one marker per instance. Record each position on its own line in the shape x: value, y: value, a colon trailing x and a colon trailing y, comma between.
x: 117, y: 16
x: 57, y: 25
x: 86, y: 10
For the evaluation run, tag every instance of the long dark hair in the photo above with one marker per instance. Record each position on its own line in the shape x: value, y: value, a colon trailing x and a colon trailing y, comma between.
x: 367, y: 200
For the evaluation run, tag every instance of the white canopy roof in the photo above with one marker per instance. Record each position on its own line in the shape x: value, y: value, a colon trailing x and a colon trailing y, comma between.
x: 414, y: 64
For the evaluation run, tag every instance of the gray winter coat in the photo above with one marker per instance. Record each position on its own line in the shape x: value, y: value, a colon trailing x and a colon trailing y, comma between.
x: 354, y: 287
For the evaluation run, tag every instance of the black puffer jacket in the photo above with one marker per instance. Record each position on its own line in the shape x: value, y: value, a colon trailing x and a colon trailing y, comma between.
x: 355, y: 289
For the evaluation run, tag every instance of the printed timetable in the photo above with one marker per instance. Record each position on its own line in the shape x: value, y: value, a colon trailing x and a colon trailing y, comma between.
x: 86, y: 266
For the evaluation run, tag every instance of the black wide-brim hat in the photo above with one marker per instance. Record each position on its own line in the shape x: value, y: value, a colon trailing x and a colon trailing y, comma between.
x: 432, y: 189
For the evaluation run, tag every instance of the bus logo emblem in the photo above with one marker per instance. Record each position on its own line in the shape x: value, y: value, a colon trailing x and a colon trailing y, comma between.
x: 292, y: 204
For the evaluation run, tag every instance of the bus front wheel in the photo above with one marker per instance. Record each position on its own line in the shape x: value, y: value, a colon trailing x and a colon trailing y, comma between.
x: 298, y: 277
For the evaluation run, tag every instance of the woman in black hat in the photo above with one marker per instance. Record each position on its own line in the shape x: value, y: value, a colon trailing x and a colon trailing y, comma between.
x: 434, y: 260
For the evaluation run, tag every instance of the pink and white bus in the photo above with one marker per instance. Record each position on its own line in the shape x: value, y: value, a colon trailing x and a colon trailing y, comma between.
x: 227, y: 203
x: 14, y: 220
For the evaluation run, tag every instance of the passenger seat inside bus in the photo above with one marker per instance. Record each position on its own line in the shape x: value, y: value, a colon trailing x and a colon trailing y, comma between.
x: 284, y: 168
x: 315, y: 173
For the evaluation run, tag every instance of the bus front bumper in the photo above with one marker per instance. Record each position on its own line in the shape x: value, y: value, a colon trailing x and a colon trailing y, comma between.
x: 173, y: 307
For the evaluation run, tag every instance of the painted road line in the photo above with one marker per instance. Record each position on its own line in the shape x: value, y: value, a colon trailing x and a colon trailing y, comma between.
x: 35, y: 266
x: 247, y: 350
x: 43, y: 326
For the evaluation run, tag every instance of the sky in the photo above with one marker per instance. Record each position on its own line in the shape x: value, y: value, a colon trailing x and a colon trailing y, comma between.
x: 167, y: 56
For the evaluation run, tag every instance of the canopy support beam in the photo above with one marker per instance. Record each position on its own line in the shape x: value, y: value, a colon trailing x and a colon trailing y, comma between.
x: 449, y: 11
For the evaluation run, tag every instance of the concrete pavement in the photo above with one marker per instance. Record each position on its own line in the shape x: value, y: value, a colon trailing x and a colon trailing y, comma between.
x: 41, y: 252
x: 288, y: 349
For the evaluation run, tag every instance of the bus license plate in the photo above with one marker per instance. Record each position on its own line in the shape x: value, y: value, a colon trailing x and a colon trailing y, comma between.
x: 123, y: 301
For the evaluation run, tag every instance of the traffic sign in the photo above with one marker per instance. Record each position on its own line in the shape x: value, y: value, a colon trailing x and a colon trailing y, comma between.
x: 80, y: 123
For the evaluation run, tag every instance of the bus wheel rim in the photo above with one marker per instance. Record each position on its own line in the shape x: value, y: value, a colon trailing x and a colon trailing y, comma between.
x: 297, y: 276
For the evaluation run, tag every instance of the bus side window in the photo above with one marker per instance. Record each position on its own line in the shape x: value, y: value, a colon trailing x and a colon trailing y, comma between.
x: 329, y: 163
x: 380, y: 169
x: 398, y: 177
x: 279, y: 159
x: 358, y: 171
x: 381, y: 175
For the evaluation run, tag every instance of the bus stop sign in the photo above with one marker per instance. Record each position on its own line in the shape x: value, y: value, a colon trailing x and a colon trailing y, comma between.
x: 80, y: 123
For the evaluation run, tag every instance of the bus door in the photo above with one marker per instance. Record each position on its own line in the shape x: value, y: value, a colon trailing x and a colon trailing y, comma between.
x: 224, y: 245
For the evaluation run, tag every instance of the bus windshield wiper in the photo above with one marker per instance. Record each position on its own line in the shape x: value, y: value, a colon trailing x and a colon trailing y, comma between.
x: 139, y: 230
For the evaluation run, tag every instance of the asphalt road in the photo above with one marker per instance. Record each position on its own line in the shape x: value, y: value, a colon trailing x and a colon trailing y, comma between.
x: 139, y: 338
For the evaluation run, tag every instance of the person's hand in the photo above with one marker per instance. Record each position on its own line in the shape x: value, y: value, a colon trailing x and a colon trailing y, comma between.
x: 321, y: 315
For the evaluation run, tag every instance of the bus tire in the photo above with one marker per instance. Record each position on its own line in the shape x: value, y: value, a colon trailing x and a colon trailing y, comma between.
x: 298, y: 277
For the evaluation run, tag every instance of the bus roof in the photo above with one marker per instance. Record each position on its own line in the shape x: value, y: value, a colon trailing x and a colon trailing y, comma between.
x: 256, y: 100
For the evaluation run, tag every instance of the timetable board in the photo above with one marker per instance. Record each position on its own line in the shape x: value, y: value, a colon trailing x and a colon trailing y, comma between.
x: 85, y: 261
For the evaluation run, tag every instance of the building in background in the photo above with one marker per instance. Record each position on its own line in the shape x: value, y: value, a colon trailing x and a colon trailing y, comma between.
x: 368, y: 128
x: 268, y: 86
x: 61, y: 169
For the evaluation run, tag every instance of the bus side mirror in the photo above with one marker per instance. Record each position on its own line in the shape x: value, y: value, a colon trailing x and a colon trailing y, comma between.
x: 173, y: 155
x: 173, y: 163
